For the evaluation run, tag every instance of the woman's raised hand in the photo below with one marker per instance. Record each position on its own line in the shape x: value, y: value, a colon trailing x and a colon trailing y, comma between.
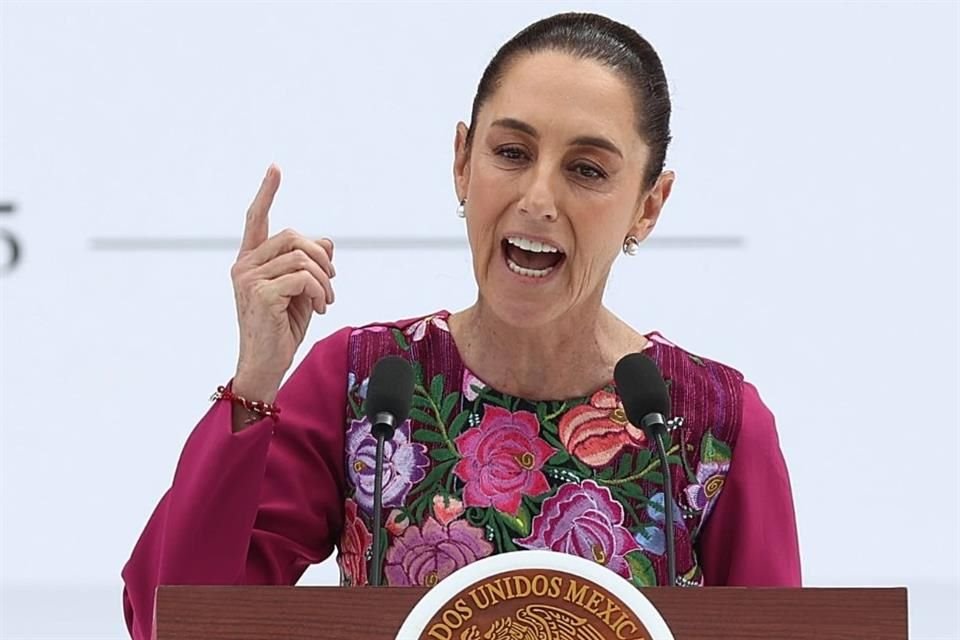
x: 278, y: 283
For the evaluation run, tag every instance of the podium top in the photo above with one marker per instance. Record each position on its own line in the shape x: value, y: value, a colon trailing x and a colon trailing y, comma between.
x: 336, y: 613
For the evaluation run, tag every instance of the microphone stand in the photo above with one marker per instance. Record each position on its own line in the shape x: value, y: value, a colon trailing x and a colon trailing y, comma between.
x: 383, y: 428
x: 655, y: 425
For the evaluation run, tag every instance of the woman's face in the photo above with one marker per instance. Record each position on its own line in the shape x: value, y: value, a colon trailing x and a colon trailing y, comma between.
x: 553, y: 182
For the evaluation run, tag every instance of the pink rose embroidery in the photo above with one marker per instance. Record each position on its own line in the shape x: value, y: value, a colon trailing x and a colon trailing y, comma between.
x: 583, y: 520
x: 596, y: 432
x: 354, y: 543
x: 502, y: 460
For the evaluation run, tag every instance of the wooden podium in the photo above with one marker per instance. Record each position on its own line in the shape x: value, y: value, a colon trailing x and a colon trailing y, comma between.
x: 368, y: 613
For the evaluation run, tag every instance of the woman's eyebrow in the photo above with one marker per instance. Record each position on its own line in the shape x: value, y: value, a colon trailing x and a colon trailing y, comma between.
x: 589, y: 141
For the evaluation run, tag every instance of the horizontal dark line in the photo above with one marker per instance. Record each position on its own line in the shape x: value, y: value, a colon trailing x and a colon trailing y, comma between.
x: 7, y: 207
x: 367, y: 243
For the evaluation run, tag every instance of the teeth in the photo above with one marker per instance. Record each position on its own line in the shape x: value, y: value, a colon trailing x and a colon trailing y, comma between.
x: 532, y: 245
x: 530, y: 273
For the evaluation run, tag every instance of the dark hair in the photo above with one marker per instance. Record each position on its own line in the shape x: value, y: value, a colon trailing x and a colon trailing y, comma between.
x: 615, y: 45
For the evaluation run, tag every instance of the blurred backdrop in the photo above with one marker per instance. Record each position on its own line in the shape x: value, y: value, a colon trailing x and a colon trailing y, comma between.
x: 811, y: 241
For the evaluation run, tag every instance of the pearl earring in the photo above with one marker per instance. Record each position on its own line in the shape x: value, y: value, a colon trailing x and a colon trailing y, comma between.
x: 631, y: 246
x: 462, y: 209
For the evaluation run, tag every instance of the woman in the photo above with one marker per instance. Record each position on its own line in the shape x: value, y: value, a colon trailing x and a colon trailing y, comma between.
x: 517, y: 439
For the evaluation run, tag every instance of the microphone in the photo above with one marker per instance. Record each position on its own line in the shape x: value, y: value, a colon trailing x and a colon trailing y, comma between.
x: 647, y: 403
x: 389, y: 394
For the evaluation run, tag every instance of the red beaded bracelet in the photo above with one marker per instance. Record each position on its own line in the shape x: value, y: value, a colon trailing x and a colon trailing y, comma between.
x: 258, y: 408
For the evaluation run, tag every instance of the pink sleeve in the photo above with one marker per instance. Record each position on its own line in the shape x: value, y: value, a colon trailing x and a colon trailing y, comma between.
x: 750, y: 538
x: 255, y: 507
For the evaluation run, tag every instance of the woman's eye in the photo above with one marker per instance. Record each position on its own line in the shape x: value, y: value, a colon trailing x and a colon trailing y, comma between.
x: 514, y: 154
x: 589, y: 171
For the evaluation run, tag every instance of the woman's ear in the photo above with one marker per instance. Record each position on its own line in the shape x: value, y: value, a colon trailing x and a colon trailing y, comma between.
x: 651, y: 205
x: 461, y: 162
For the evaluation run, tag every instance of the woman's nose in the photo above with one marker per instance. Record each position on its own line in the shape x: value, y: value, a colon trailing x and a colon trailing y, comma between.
x: 538, y: 199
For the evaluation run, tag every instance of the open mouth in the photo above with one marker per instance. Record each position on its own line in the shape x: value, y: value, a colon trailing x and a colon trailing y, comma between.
x: 531, y: 258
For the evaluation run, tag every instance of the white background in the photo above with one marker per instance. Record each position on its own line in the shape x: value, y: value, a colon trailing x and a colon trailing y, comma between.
x: 824, y: 135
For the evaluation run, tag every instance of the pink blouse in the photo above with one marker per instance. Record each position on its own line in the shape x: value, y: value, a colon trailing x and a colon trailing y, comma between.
x: 259, y: 506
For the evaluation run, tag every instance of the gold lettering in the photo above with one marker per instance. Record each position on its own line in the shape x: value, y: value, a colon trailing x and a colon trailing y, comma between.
x: 611, y: 609
x: 633, y: 630
x: 476, y: 600
x: 595, y: 599
x: 575, y: 595
x: 540, y: 585
x: 495, y: 592
x: 440, y: 631
x: 506, y: 587
x: 465, y: 611
x: 556, y: 586
x: 522, y: 586
x: 452, y: 619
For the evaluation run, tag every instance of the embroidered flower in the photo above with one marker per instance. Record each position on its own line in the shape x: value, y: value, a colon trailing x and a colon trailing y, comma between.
x: 583, y: 520
x: 502, y: 460
x: 596, y: 432
x: 651, y: 537
x: 354, y: 543
x: 447, y: 509
x: 472, y: 385
x: 375, y: 328
x: 710, y: 479
x: 423, y: 556
x: 404, y: 464
x: 395, y: 525
x: 418, y: 330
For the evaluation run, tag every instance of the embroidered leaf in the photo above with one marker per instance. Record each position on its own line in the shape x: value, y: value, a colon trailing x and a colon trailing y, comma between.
x: 520, y: 523
x: 673, y: 460
x: 492, y: 398
x: 641, y: 569
x: 443, y: 454
x: 697, y: 360
x: 436, y: 389
x: 457, y: 425
x: 541, y: 411
x: 426, y: 435
x: 559, y: 458
x: 422, y: 416
x: 448, y: 404
x: 422, y: 402
x: 714, y: 450
x: 655, y: 477
x: 606, y: 474
x: 632, y: 489
x: 625, y: 466
x: 433, y: 477
x: 582, y: 469
x: 643, y: 458
x: 400, y: 339
x: 552, y: 440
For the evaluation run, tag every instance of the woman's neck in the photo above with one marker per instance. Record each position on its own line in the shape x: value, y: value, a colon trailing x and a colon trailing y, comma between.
x: 570, y: 357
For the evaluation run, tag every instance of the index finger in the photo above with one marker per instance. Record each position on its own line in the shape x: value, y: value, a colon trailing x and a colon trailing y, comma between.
x: 256, y: 228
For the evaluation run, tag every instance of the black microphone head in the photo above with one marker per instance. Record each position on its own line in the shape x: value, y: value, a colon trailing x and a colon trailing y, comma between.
x: 641, y: 387
x: 390, y: 389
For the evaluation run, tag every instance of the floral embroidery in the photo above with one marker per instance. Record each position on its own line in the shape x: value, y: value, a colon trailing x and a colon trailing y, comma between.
x: 418, y: 330
x: 502, y: 460
x: 404, y: 464
x: 472, y: 385
x: 355, y: 542
x: 423, y: 556
x: 586, y: 521
x: 597, y: 432
x: 651, y: 537
x: 475, y: 471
